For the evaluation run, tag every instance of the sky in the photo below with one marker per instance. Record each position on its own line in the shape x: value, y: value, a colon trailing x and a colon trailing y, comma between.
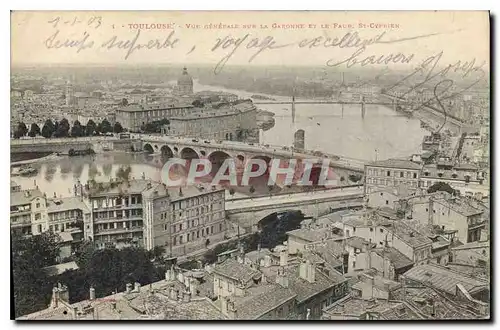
x: 109, y: 37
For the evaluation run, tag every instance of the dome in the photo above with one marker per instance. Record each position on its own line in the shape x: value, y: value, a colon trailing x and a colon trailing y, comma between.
x: 185, y: 79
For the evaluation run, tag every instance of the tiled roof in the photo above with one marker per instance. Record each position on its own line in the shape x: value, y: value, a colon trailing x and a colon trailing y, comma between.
x: 397, y: 258
x: 233, y: 269
x: 444, y: 279
x: 460, y: 206
x: 66, y: 204
x: 260, y: 300
x: 310, y: 235
x: 305, y: 289
x: 24, y: 197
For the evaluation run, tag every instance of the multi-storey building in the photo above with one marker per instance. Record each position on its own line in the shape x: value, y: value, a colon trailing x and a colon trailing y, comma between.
x: 391, y: 172
x: 233, y: 122
x: 149, y: 214
x: 134, y: 116
x: 32, y: 213
x: 450, y: 213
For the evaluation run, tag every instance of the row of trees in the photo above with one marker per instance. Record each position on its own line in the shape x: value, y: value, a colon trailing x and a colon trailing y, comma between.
x: 63, y: 129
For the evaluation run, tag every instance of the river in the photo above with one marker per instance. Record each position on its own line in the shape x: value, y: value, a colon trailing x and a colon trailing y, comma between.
x: 382, y: 134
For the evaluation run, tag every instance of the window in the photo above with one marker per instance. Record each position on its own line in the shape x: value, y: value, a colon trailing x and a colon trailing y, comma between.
x: 354, y: 229
x: 414, y: 175
x: 382, y: 230
x: 381, y: 194
x: 187, y: 237
x: 220, y: 227
x: 401, y: 174
x: 180, y: 239
x: 388, y: 173
x: 175, y: 240
x: 37, y: 205
x: 386, y: 202
x: 180, y: 226
x: 371, y: 229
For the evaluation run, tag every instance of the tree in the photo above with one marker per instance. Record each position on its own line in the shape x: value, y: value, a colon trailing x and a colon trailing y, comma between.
x: 30, y: 255
x: 35, y: 130
x: 105, y: 127
x: 21, y: 130
x: 62, y: 128
x: 48, y: 129
x: 198, y: 104
x: 117, y: 128
x: 441, y: 186
x: 77, y: 129
x: 91, y: 127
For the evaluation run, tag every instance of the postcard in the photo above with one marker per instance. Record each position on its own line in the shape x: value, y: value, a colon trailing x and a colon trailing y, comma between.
x: 250, y: 165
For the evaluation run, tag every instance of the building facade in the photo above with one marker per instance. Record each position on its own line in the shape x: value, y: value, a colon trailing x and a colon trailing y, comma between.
x: 148, y: 214
x: 234, y: 122
x: 134, y: 116
x: 391, y: 173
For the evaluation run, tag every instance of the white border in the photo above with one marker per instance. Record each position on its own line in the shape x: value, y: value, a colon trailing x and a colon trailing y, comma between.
x: 492, y: 5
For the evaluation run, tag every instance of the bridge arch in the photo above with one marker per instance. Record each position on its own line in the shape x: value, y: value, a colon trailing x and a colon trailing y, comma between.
x: 148, y: 148
x: 166, y: 152
x: 188, y: 153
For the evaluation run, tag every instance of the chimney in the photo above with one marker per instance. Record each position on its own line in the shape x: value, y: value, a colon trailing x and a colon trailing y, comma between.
x: 74, y: 311
x: 431, y: 208
x: 173, y: 294
x: 241, y: 255
x: 231, y: 310
x: 128, y: 288
x: 307, y: 271
x: 137, y: 287
x: 92, y: 293
x: 187, y: 296
x: 281, y: 278
x: 55, y: 298
x: 283, y: 257
x: 63, y: 293
x: 180, y: 294
x: 368, y: 254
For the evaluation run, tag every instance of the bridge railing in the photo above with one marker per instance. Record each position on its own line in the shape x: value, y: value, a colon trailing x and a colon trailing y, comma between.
x: 277, y: 150
x: 304, y: 193
x: 61, y: 140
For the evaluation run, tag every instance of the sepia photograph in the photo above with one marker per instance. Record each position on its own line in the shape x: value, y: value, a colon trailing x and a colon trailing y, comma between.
x: 250, y: 165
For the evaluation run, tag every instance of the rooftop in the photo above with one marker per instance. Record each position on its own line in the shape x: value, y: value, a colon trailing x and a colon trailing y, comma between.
x: 260, y: 300
x: 397, y: 258
x: 149, y: 107
x: 444, y: 279
x: 60, y: 268
x: 24, y: 197
x: 312, y: 235
x: 355, y: 307
x: 397, y: 163
x: 460, y: 206
x: 233, y: 269
x: 66, y: 204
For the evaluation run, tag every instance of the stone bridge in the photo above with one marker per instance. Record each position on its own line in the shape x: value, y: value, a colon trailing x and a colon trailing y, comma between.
x: 194, y: 148
x: 188, y: 148
x: 247, y: 211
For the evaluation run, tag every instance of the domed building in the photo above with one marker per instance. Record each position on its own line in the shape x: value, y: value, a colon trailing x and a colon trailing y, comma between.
x: 185, y: 83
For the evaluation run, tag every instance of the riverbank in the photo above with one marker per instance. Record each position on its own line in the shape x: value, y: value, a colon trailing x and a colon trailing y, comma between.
x: 53, y: 156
